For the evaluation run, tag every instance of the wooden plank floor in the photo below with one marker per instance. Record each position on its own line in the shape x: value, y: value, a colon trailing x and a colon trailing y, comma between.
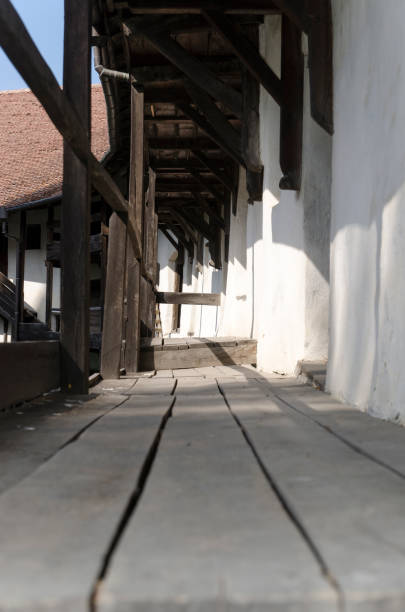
x: 200, y: 490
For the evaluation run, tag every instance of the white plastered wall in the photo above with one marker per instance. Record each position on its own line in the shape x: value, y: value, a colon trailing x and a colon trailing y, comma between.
x: 368, y: 207
x: 277, y: 285
x: 35, y: 269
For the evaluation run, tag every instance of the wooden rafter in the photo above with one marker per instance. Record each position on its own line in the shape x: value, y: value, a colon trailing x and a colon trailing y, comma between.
x: 246, y: 52
x: 191, y: 66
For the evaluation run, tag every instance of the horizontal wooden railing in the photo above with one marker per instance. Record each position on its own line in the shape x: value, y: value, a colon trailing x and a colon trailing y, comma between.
x: 28, y: 369
x: 195, y: 299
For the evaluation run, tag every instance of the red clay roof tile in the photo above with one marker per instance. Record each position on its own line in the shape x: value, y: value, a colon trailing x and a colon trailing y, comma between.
x: 31, y: 149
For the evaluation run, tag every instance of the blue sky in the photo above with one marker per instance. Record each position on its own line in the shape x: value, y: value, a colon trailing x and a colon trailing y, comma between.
x: 44, y: 21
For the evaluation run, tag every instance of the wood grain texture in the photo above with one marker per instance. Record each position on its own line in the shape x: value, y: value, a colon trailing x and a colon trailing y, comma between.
x: 27, y: 370
x: 171, y: 297
x: 75, y: 257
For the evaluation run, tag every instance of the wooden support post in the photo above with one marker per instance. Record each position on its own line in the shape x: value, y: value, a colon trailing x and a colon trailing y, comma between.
x: 75, y: 257
x: 251, y: 136
x: 19, y: 276
x: 136, y: 209
x: 292, y: 76
x: 49, y: 269
x: 114, y: 300
x: 320, y: 60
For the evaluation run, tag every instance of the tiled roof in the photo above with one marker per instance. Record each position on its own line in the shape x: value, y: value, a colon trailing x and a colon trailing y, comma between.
x: 31, y: 149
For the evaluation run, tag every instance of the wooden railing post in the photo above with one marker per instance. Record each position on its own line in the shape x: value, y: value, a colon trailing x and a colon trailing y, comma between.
x: 75, y: 255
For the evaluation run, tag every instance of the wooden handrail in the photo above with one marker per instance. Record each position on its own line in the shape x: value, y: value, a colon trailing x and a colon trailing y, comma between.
x: 194, y: 299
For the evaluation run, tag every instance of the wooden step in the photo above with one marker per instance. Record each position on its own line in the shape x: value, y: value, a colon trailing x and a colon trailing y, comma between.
x: 173, y: 353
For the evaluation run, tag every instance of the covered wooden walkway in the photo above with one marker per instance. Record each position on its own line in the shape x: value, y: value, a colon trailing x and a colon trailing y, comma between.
x: 205, y: 489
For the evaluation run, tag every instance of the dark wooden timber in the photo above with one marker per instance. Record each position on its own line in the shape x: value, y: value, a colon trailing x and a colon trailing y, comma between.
x: 156, y: 7
x: 192, y: 67
x: 212, y: 165
x: 246, y: 52
x: 75, y: 258
x: 114, y: 298
x: 196, y: 299
x: 19, y: 277
x: 136, y: 211
x: 21, y: 50
x: 320, y: 62
x: 251, y: 137
x: 27, y: 370
x: 292, y: 76
x: 49, y: 268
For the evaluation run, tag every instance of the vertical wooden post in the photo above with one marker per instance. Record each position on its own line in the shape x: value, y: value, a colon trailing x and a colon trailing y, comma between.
x: 19, y: 275
x: 49, y: 269
x: 113, y: 319
x: 136, y: 205
x: 291, y: 113
x: 75, y: 256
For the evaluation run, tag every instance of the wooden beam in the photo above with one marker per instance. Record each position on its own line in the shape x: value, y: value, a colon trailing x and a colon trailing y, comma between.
x: 170, y: 239
x: 150, y: 74
x: 320, y: 60
x: 22, y: 52
x: 192, y: 67
x: 229, y: 137
x: 210, y: 210
x: 136, y: 211
x: 178, y: 144
x: 206, y: 126
x: 114, y: 298
x: 195, y: 299
x: 292, y: 75
x: 212, y: 165
x: 49, y: 268
x: 246, y: 52
x: 19, y: 276
x: 236, y: 7
x: 251, y: 137
x: 197, y: 221
x: 296, y: 11
x: 207, y: 186
x: 75, y: 254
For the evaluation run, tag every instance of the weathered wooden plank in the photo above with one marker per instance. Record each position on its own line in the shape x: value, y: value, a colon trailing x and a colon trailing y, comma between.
x: 209, y: 532
x: 34, y: 432
x: 291, y: 114
x: 351, y: 507
x: 27, y: 370
x: 75, y: 256
x: 114, y: 298
x: 171, y: 297
x: 22, y: 52
x: 199, y: 357
x: 136, y: 213
x: 73, y: 503
x: 192, y: 67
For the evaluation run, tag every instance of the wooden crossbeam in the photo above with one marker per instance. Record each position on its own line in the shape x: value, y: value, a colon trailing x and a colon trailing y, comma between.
x: 210, y: 210
x: 23, y: 53
x: 218, y: 65
x: 207, y: 127
x: 229, y: 137
x: 170, y: 239
x: 195, y: 299
x: 207, y: 186
x: 246, y: 52
x: 236, y: 7
x: 197, y: 221
x: 212, y: 165
x: 192, y: 67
